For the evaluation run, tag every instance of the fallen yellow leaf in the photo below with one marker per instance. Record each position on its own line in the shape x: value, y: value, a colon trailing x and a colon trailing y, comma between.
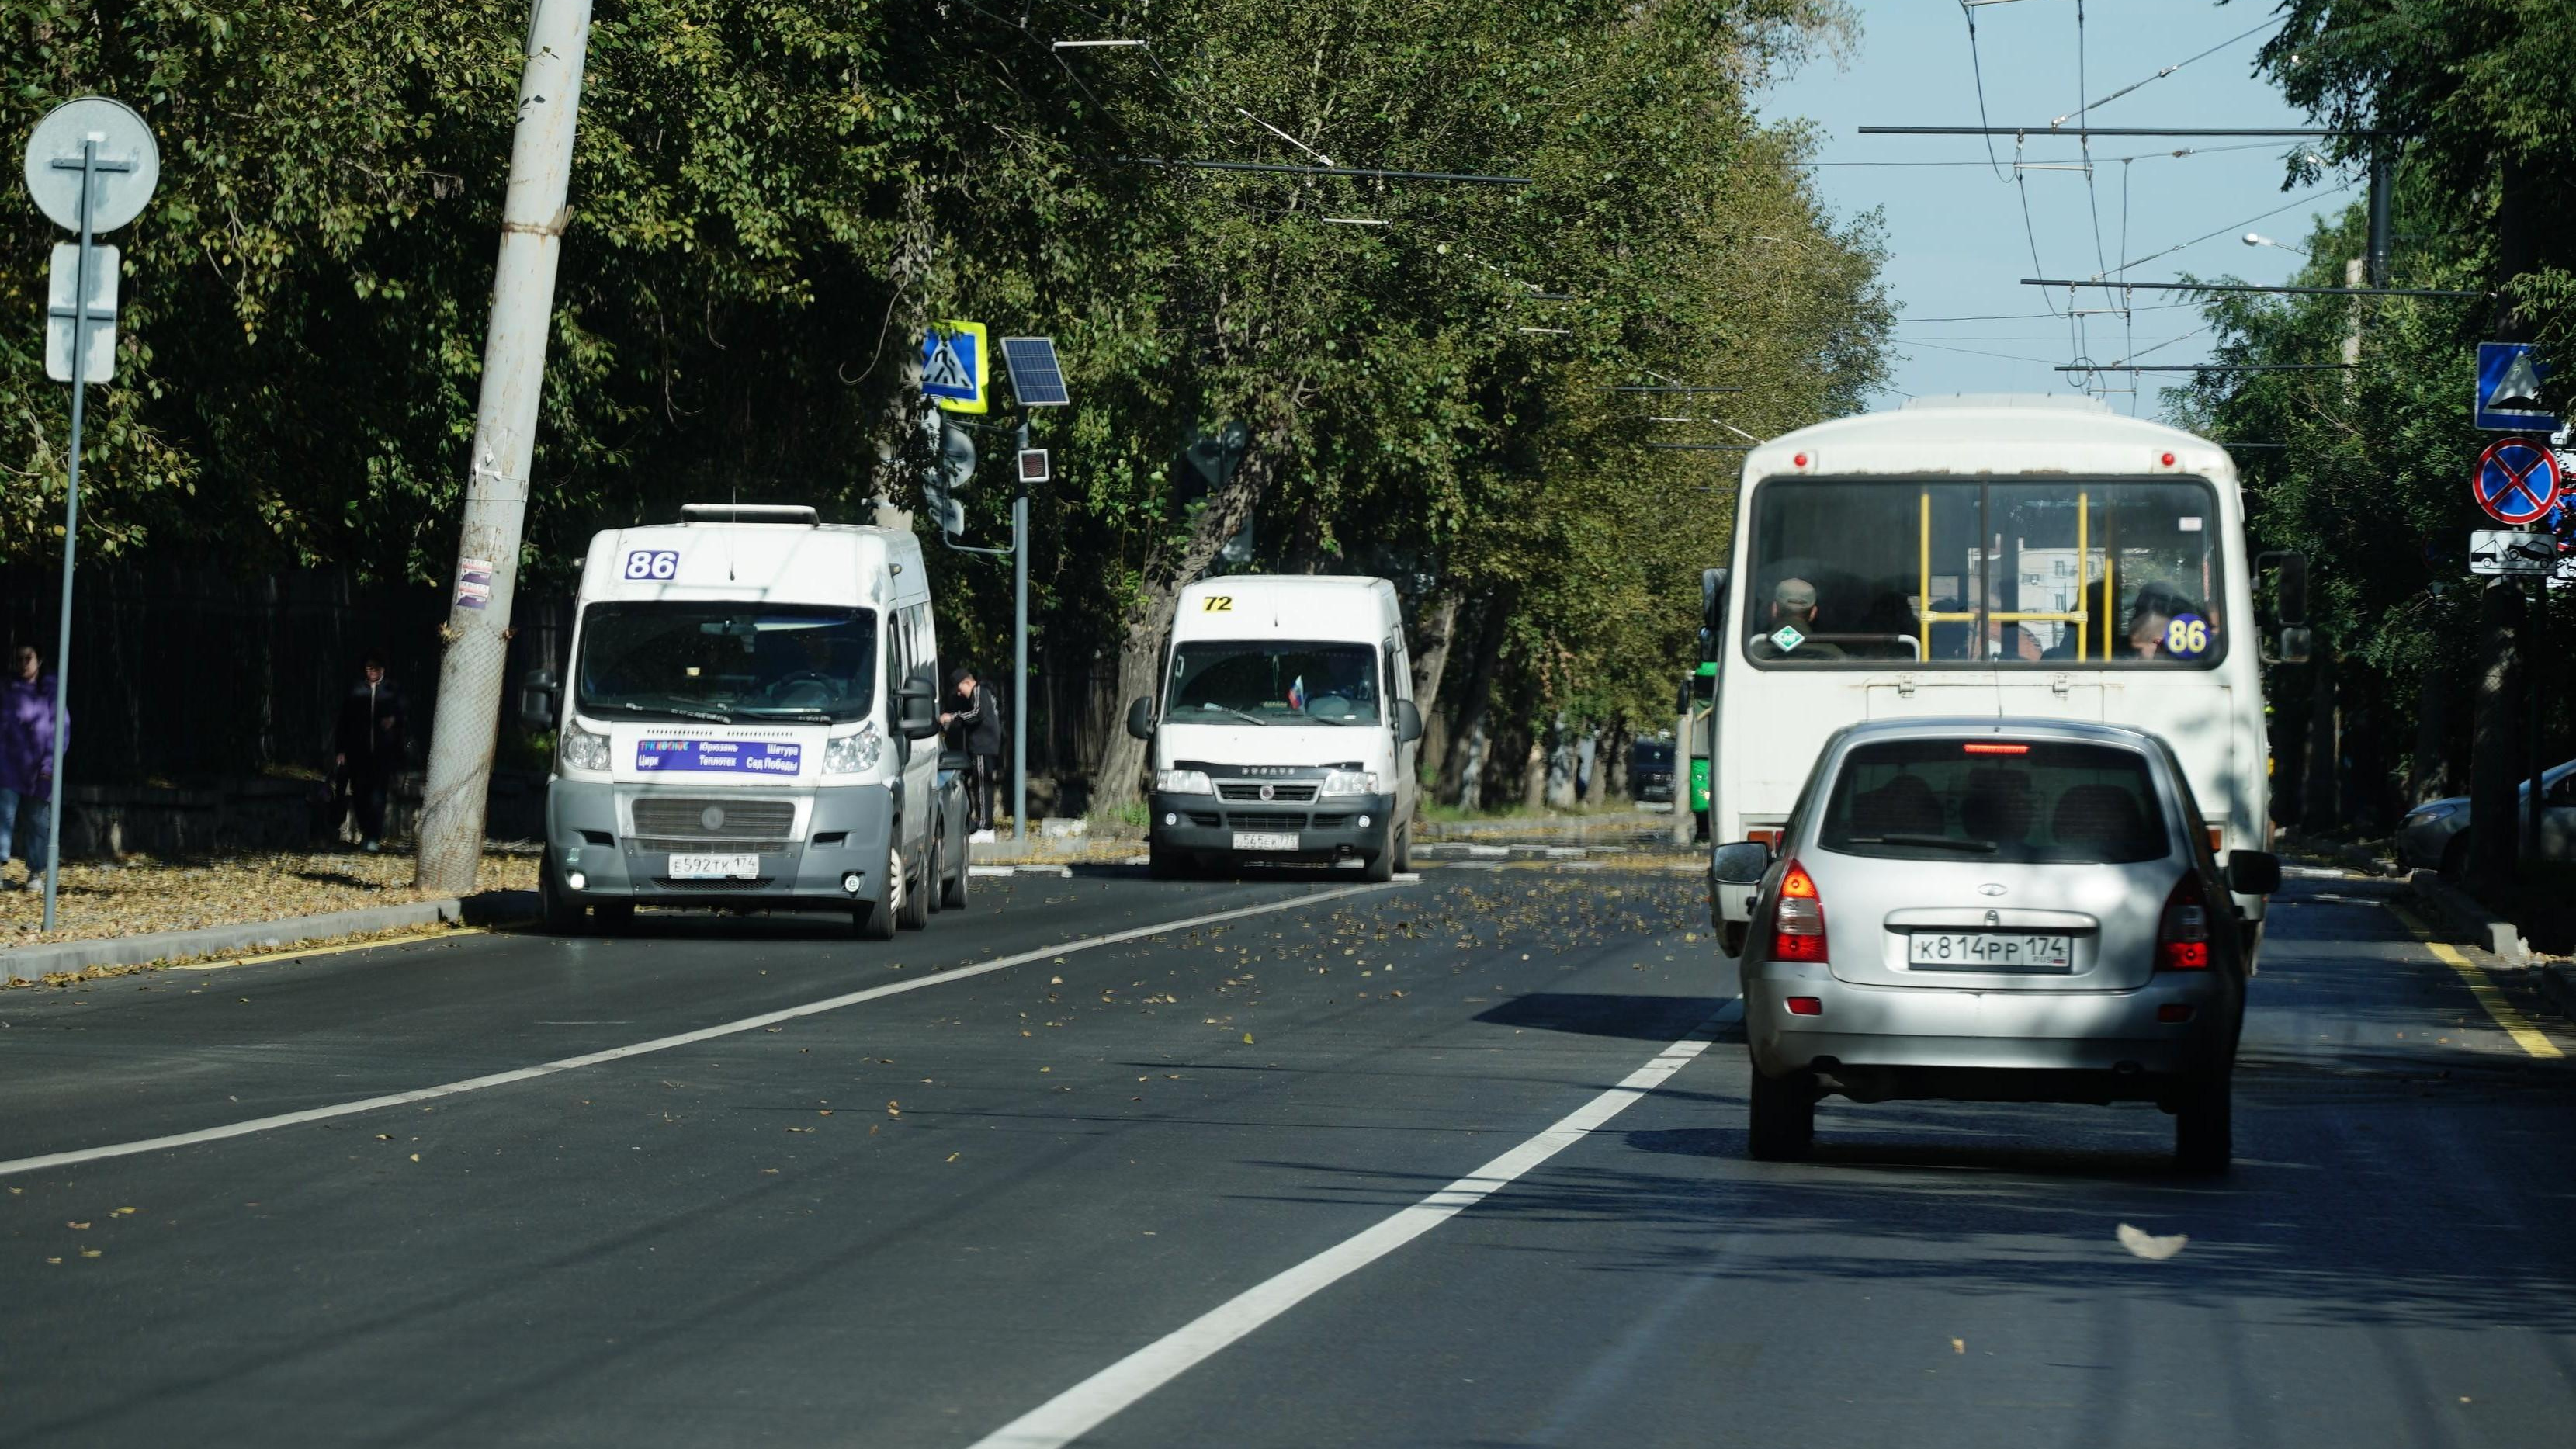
x: 1247, y: 1038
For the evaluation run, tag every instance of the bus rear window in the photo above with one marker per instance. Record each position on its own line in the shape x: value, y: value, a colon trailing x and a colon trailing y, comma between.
x: 2042, y: 803
x: 2044, y: 575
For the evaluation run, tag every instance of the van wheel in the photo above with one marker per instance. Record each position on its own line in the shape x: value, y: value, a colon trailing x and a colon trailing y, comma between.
x: 1380, y: 867
x: 1783, y: 1128
x: 2204, y: 1128
x: 911, y: 886
x: 1404, y: 849
x: 1162, y: 862
x: 557, y: 911
x: 1731, y: 936
x: 934, y: 879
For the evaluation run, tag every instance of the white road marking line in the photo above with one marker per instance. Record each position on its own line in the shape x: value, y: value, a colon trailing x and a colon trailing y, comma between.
x: 1087, y: 1405
x: 657, y: 1044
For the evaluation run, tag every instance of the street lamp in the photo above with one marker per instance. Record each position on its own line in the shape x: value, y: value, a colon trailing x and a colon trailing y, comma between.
x: 2257, y: 239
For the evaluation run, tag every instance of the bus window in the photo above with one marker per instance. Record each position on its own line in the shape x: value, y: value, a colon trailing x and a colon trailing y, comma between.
x: 2030, y: 574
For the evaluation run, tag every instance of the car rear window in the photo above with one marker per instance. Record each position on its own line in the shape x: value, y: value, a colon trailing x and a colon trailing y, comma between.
x: 2043, y: 802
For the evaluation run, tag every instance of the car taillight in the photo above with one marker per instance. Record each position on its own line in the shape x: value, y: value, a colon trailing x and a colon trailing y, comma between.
x: 2183, y: 942
x: 1798, y: 921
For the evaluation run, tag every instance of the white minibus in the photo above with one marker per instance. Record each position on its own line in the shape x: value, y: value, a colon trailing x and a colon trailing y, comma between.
x: 1989, y: 555
x: 1285, y: 728
x: 750, y: 721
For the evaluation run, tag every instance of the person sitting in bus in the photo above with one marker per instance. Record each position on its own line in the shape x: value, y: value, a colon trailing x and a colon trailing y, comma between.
x: 1792, y: 625
x: 1951, y: 640
x: 2151, y: 617
x: 2096, y: 643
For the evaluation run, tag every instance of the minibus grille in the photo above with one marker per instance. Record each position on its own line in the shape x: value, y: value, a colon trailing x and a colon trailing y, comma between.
x: 1264, y: 820
x: 671, y: 822
x: 1251, y: 790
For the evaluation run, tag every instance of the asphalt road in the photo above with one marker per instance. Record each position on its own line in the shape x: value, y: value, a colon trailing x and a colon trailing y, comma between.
x: 1356, y: 1170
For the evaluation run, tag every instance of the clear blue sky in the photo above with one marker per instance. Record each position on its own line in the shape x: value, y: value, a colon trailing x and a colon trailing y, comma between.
x: 1955, y: 233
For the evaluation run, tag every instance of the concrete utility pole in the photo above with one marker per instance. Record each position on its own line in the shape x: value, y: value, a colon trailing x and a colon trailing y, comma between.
x: 533, y: 215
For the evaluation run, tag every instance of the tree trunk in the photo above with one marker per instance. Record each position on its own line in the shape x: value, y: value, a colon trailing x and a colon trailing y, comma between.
x: 1613, y: 770
x: 1534, y: 771
x: 1147, y: 620
x: 1435, y: 629
x: 2431, y: 776
x: 1473, y: 705
x: 2495, y: 751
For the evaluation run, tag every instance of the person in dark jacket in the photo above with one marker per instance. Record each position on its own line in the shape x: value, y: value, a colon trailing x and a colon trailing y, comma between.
x: 367, y: 747
x: 26, y: 762
x: 973, y: 723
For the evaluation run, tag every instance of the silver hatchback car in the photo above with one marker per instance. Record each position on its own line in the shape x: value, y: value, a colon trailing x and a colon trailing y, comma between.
x: 1988, y: 909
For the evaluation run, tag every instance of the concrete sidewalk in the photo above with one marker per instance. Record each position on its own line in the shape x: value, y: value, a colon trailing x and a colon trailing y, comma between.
x: 34, y: 963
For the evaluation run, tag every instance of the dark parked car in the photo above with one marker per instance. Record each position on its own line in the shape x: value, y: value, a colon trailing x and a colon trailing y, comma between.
x: 1650, y: 771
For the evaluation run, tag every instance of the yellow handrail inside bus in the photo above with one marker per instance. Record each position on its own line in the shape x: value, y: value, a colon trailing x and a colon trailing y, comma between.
x: 2079, y: 617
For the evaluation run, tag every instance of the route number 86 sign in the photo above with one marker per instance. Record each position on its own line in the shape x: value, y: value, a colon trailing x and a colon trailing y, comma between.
x: 652, y: 563
x: 2187, y: 636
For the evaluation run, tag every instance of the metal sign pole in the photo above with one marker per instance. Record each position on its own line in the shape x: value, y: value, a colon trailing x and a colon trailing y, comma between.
x: 1020, y: 650
x: 2531, y: 662
x: 71, y: 535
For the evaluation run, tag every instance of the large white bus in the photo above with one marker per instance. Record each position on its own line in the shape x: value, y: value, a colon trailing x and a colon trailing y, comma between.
x: 1988, y: 555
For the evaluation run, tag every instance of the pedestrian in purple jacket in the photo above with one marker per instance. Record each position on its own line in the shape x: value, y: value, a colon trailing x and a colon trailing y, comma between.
x: 26, y: 762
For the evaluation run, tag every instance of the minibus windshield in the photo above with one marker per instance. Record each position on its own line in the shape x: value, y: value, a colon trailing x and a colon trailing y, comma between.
x: 1273, y: 682
x: 726, y: 661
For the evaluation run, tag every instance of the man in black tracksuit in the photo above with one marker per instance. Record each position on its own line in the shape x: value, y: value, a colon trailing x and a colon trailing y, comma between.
x: 367, y: 746
x: 973, y: 722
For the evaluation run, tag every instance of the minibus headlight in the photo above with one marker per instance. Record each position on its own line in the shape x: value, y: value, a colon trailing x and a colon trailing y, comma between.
x: 1350, y: 782
x: 854, y: 754
x: 1183, y: 782
x: 582, y: 750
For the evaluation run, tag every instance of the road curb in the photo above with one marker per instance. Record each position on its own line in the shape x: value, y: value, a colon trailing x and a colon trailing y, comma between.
x: 34, y: 963
x: 2459, y: 917
x: 2557, y: 987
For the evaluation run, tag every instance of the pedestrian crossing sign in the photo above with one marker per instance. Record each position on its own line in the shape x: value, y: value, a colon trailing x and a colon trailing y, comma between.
x: 953, y: 367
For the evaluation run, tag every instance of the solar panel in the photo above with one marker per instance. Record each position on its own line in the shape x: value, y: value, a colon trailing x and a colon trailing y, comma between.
x: 1036, y: 380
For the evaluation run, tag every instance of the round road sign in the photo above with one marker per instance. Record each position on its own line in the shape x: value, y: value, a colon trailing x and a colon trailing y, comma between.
x: 2516, y: 481
x: 119, y: 189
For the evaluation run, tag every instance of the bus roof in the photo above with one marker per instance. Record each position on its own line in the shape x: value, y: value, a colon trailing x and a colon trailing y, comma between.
x: 1989, y: 433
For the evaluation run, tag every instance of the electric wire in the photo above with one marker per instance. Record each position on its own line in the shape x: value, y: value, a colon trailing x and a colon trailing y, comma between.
x: 1976, y: 69
x: 2168, y: 70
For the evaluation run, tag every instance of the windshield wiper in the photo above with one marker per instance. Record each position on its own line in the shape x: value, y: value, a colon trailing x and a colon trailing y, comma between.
x: 710, y: 716
x: 1238, y: 714
x: 797, y: 711
x: 1936, y: 842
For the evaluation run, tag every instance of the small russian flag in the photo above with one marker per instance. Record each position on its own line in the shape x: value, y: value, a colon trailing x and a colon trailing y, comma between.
x: 1297, y: 693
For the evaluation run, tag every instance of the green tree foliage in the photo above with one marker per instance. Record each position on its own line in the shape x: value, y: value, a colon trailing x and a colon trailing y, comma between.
x: 772, y: 198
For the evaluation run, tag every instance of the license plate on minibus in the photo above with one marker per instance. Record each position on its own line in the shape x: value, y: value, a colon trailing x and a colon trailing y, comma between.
x: 714, y: 867
x: 1989, y: 951
x: 1255, y: 840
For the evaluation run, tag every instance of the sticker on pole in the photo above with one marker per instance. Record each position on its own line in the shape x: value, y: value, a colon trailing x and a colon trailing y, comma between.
x: 953, y: 366
x: 2516, y: 481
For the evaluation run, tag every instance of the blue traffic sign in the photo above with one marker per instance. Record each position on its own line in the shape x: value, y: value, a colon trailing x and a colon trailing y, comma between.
x: 2509, y: 375
x: 953, y: 366
x: 2516, y: 481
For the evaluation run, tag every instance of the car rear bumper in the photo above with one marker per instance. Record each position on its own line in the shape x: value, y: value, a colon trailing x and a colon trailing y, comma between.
x: 1902, y: 1041
x: 846, y: 832
x: 1327, y: 829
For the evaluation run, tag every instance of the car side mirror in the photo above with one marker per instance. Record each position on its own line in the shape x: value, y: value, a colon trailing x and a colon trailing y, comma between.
x: 2289, y: 585
x: 2253, y: 872
x: 1408, y: 722
x: 1712, y: 611
x: 1140, y: 718
x: 2293, y: 644
x: 1742, y: 863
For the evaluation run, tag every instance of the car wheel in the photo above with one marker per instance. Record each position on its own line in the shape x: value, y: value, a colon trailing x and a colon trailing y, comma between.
x: 1784, y: 1117
x: 2204, y: 1133
x: 952, y: 890
x: 912, y: 896
x: 1164, y: 863
x: 557, y: 911
x: 1732, y: 935
x: 2455, y: 857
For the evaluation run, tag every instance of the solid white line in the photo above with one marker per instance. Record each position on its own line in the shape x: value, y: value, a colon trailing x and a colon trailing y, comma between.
x: 657, y: 1044
x: 1084, y: 1407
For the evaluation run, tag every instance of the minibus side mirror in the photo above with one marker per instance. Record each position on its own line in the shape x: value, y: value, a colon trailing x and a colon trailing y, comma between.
x: 1712, y: 612
x: 1742, y: 863
x: 2289, y: 584
x: 1408, y: 722
x: 540, y: 699
x: 917, y: 709
x: 2253, y: 872
x: 2291, y: 644
x: 1140, y: 718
